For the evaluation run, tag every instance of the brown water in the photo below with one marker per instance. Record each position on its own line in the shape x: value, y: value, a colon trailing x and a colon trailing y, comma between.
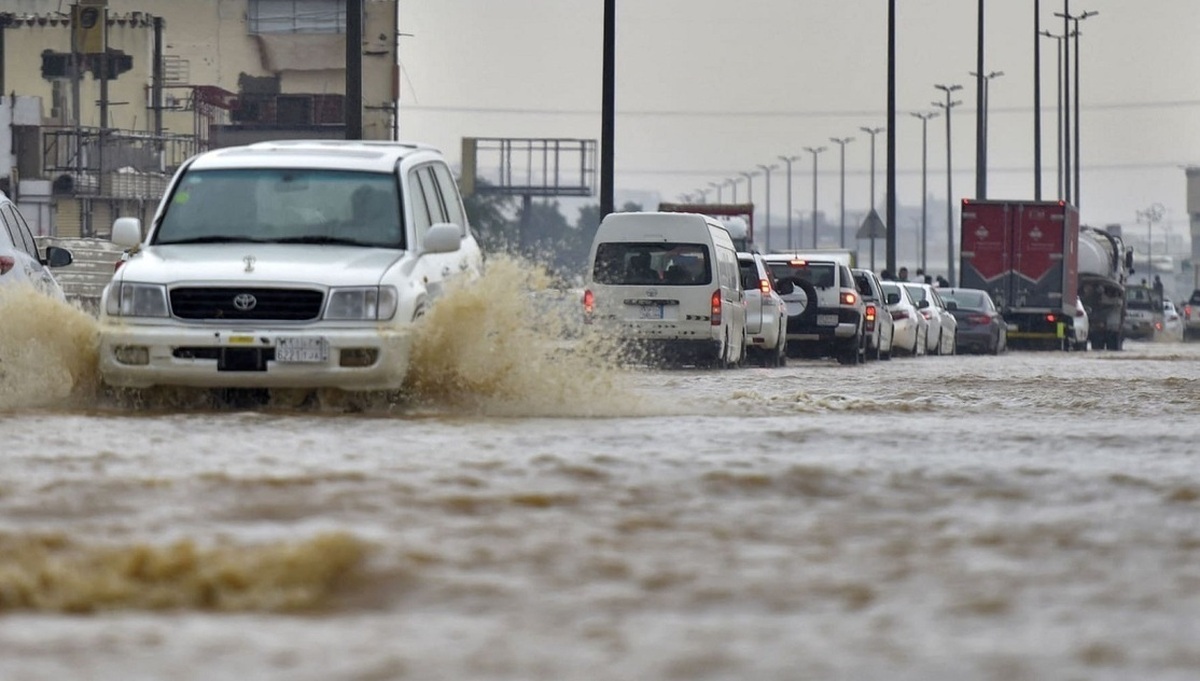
x: 532, y: 511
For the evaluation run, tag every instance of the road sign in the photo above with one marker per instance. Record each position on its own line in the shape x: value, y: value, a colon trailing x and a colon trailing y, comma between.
x: 872, y: 227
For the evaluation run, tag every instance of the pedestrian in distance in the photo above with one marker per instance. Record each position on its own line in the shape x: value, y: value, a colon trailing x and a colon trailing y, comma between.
x: 903, y: 274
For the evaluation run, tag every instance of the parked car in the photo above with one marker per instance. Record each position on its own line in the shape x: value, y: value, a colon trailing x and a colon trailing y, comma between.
x: 909, y: 328
x: 981, y: 327
x: 766, y: 313
x: 288, y: 264
x: 1191, y: 316
x: 1080, y: 328
x: 880, y: 327
x: 667, y: 286
x: 826, y: 315
x: 1143, y: 313
x: 21, y: 264
x: 942, y: 324
x: 1172, y: 325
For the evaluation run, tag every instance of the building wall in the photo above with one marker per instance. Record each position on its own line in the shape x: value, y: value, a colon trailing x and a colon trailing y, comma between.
x: 212, y: 38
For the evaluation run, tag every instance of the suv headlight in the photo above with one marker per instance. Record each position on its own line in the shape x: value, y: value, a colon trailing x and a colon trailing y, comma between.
x: 126, y: 299
x: 362, y: 303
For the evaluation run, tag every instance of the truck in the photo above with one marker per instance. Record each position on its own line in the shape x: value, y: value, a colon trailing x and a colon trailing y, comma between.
x: 738, y: 219
x: 1105, y: 265
x: 1025, y: 254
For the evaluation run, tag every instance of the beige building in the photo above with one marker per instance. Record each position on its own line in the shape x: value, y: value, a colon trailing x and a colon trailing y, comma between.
x: 222, y: 72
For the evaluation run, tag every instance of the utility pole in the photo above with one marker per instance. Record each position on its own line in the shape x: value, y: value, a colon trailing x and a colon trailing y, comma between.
x: 924, y: 192
x: 1037, y: 100
x: 789, y: 160
x: 891, y: 227
x: 872, y: 132
x: 354, y: 70
x: 842, y: 142
x: 816, y: 152
x: 1059, y: 47
x: 718, y: 186
x: 948, y: 106
x: 608, y: 109
x: 767, y: 223
x: 981, y: 115
x: 982, y: 126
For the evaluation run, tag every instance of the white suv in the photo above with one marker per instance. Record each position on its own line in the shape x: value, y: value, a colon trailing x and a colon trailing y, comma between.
x: 298, y: 264
x: 826, y: 315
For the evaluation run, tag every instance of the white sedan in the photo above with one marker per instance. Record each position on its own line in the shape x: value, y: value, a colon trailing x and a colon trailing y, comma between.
x: 909, y: 328
x: 20, y: 262
x: 942, y: 325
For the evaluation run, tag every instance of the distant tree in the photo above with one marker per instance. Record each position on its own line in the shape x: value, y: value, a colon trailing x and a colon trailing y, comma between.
x: 491, y: 217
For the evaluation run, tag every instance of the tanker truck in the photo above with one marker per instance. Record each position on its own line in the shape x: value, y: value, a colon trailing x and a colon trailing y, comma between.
x: 1104, y: 268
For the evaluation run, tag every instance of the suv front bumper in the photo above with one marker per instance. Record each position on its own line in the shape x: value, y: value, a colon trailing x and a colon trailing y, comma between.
x: 354, y: 359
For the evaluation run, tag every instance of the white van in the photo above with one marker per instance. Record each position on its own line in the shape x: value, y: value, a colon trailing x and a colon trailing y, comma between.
x: 668, y: 283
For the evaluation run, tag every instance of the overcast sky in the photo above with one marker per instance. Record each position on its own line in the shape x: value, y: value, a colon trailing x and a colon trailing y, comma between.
x: 710, y: 88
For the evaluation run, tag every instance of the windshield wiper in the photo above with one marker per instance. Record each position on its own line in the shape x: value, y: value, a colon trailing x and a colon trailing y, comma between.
x: 213, y: 239
x: 332, y: 240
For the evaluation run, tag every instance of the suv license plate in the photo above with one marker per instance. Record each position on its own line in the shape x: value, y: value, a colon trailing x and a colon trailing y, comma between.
x: 650, y: 312
x: 302, y: 349
x: 827, y: 320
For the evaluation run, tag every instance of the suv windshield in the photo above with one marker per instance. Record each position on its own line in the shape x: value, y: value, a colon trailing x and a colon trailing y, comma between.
x: 284, y: 205
x: 679, y: 264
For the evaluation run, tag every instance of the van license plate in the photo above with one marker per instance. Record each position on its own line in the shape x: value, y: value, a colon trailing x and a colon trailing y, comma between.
x: 827, y: 320
x: 306, y: 349
x: 650, y: 312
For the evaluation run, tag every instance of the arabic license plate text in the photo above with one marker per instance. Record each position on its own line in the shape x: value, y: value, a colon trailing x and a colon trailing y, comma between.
x: 302, y: 349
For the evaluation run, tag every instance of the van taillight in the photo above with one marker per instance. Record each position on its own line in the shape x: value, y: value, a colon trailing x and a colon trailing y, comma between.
x: 764, y: 285
x: 589, y: 305
x: 716, y: 308
x: 7, y: 262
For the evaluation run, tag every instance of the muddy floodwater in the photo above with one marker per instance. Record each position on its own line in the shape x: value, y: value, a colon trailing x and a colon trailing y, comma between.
x: 535, y: 513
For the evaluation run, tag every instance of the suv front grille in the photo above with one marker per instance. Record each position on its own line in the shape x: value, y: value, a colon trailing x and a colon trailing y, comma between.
x: 270, y: 304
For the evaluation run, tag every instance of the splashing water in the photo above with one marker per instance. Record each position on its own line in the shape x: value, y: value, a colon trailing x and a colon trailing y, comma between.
x: 504, y: 344
x: 47, y: 351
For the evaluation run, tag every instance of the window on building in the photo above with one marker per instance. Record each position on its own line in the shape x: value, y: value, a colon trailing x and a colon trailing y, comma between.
x: 296, y: 16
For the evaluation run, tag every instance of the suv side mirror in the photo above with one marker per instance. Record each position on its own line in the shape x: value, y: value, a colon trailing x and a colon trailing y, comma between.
x: 1129, y: 260
x: 923, y: 304
x: 892, y: 298
x: 951, y: 305
x: 127, y: 232
x: 444, y: 237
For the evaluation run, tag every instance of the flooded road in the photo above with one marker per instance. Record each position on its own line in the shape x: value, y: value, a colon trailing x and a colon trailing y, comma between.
x: 1028, y: 516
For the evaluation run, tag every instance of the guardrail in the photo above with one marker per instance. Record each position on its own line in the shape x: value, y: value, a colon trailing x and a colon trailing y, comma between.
x: 94, y: 261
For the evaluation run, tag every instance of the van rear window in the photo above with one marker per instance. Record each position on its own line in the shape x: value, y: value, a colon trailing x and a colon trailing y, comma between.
x: 634, y: 263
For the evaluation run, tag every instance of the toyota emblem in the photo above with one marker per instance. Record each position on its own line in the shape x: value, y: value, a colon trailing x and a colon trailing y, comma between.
x: 244, y: 302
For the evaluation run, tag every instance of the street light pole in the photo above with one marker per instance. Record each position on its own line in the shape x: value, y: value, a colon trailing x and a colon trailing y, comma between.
x: 1037, y: 100
x: 767, y: 228
x: 733, y: 182
x: 749, y: 189
x: 718, y: 186
x: 981, y: 154
x: 789, y: 160
x: 1076, y: 35
x: 816, y: 152
x: 924, y: 192
x: 703, y: 194
x: 842, y: 142
x: 949, y: 106
x: 872, y: 132
x: 1059, y: 48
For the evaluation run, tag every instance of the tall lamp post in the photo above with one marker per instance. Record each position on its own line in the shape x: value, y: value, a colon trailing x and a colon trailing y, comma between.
x: 749, y: 186
x: 924, y: 176
x: 1075, y: 34
x: 1060, y: 48
x: 816, y: 152
x: 842, y: 142
x: 872, y: 132
x: 718, y: 186
x: 703, y: 194
x: 949, y: 106
x: 982, y: 154
x: 766, y: 169
x: 789, y: 160
x: 733, y: 183
x: 1151, y: 215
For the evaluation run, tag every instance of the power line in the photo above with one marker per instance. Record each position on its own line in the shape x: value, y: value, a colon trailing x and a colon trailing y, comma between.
x: 799, y: 113
x: 1094, y: 167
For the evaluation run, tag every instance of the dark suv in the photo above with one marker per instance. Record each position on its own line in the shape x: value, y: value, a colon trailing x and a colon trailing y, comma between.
x: 826, y: 314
